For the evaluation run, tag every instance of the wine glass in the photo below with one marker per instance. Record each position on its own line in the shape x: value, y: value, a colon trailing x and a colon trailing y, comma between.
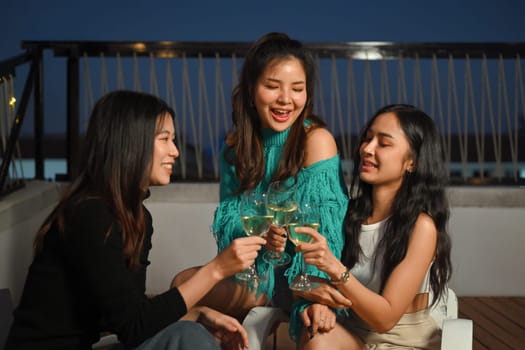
x: 256, y: 220
x: 282, y: 204
x: 305, y: 216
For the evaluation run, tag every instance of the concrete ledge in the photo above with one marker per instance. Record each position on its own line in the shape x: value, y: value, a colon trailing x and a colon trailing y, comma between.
x: 487, y: 197
x: 23, y: 203
x: 36, y: 195
x: 459, y: 196
x: 186, y: 192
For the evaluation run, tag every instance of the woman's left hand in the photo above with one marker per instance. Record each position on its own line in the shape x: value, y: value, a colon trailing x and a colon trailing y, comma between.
x: 325, y: 294
x: 318, y: 318
x: 226, y: 329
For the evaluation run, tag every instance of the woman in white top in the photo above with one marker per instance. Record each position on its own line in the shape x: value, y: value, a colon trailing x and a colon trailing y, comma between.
x: 397, y: 247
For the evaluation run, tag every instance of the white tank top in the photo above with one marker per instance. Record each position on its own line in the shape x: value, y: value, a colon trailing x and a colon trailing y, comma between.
x: 364, y: 269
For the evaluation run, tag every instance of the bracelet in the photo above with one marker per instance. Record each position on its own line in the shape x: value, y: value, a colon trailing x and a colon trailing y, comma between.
x: 345, y: 275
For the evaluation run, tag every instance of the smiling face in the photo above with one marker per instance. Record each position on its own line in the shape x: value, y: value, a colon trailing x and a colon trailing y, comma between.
x: 280, y: 93
x: 385, y: 153
x: 164, y: 151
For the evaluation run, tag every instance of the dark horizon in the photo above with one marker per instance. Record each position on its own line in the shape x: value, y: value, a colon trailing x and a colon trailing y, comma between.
x: 55, y: 146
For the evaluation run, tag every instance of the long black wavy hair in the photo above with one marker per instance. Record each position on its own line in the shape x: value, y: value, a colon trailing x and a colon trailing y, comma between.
x: 245, y: 141
x: 422, y: 191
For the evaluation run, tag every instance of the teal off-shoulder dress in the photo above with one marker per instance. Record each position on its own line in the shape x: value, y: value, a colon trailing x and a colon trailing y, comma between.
x: 321, y: 183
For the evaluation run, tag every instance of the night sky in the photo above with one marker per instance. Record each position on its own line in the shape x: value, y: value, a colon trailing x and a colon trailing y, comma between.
x: 242, y: 20
x: 246, y: 20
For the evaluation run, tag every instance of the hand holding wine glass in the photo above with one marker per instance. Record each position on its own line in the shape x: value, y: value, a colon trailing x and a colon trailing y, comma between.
x: 239, y: 255
x: 256, y: 221
x: 282, y: 203
x: 305, y: 216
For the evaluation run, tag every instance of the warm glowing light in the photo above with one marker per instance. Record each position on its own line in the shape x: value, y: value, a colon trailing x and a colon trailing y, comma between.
x: 12, y: 101
x: 167, y: 54
x: 140, y: 47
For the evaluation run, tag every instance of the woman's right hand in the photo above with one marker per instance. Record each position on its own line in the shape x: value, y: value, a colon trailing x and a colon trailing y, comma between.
x: 239, y: 255
x: 226, y: 329
x: 317, y: 252
x: 276, y: 239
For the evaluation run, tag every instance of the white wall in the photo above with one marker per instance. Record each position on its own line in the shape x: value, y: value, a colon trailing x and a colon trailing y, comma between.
x: 488, y: 246
x: 488, y: 241
x: 181, y: 239
x: 487, y: 229
x: 21, y: 213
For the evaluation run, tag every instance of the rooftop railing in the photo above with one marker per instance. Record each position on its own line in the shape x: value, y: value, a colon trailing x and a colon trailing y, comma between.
x: 474, y: 91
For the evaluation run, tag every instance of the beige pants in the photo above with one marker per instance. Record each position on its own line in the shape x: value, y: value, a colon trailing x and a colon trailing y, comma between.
x: 413, y: 331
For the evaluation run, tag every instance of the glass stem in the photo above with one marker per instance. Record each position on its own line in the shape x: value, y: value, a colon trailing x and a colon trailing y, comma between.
x: 303, y: 267
x: 253, y: 272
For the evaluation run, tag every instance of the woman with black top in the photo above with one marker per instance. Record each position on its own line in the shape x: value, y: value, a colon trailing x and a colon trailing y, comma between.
x: 91, y: 253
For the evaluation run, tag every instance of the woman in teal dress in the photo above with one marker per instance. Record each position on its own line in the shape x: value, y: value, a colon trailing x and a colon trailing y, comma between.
x: 275, y: 136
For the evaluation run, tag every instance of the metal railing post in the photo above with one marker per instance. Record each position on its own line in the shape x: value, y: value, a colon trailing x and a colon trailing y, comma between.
x: 38, y: 127
x: 15, y: 128
x: 73, y: 115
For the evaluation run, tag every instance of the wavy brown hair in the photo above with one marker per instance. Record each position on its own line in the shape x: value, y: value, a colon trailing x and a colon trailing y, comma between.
x: 115, y: 165
x: 245, y: 145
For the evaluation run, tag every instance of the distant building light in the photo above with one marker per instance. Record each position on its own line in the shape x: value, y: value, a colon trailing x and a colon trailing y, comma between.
x: 139, y: 47
x: 368, y: 54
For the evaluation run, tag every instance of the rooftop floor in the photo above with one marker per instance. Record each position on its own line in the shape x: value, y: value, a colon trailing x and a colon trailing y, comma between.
x: 499, y: 324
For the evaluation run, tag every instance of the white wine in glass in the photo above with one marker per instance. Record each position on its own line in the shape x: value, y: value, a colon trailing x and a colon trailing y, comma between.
x: 282, y: 214
x: 298, y: 237
x: 256, y: 220
x: 305, y: 216
x: 282, y: 204
x: 256, y: 225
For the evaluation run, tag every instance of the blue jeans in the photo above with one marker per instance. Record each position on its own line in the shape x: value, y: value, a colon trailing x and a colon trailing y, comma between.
x: 181, y: 335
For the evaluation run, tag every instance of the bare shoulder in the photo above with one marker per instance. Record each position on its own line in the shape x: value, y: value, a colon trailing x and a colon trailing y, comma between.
x: 425, y: 230
x: 425, y: 223
x: 423, y: 241
x: 320, y: 145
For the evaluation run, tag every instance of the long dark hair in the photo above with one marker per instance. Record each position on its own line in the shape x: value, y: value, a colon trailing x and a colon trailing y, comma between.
x: 246, y: 140
x: 421, y: 191
x: 115, y: 164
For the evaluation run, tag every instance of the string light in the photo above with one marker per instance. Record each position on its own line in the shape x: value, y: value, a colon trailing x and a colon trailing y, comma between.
x: 12, y: 102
